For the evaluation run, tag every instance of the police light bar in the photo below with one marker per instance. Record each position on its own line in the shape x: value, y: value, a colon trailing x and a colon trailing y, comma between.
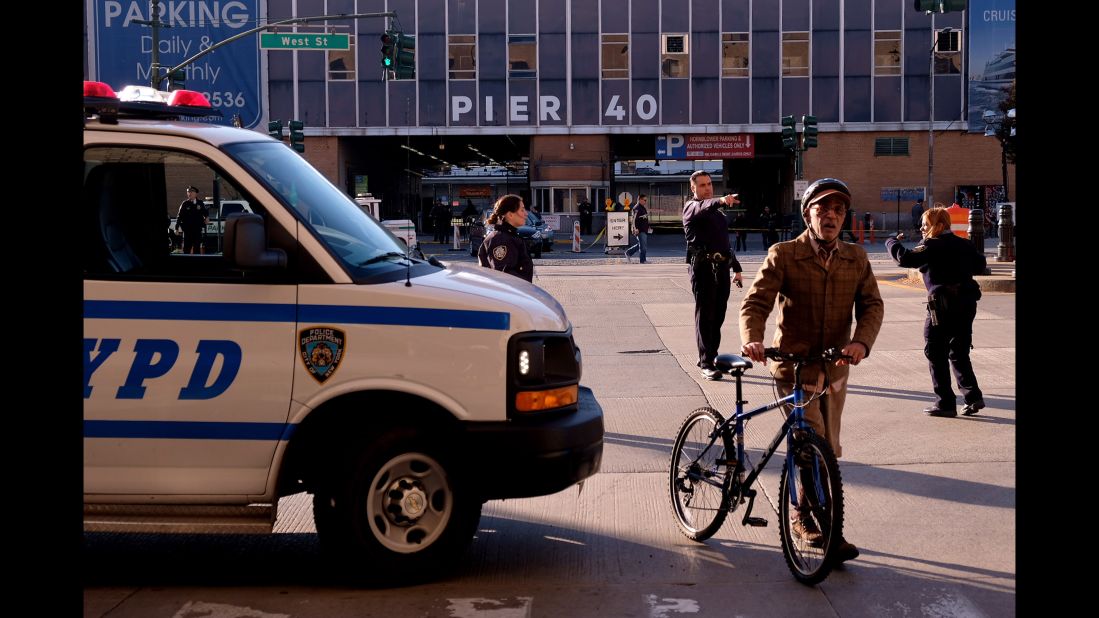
x: 144, y: 102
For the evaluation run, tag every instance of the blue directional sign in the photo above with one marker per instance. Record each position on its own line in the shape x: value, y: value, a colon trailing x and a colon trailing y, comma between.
x: 671, y: 146
x: 120, y: 49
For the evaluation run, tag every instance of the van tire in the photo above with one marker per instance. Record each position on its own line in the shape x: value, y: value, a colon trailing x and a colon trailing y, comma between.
x: 400, y: 509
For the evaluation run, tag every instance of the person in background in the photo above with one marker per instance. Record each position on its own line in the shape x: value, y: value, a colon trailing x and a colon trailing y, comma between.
x: 641, y: 228
x: 502, y: 248
x: 586, y: 212
x: 917, y: 215
x: 947, y: 264
x: 192, y: 219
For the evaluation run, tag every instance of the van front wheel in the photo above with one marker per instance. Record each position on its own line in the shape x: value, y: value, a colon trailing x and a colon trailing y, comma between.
x: 402, y: 511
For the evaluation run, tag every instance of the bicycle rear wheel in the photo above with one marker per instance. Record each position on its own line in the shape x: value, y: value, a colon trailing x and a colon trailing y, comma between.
x: 700, y: 478
x: 810, y: 509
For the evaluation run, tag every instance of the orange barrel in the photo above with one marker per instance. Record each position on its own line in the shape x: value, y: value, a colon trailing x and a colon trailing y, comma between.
x: 959, y: 220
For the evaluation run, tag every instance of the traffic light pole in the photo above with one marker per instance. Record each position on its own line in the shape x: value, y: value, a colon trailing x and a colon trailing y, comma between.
x: 156, y: 78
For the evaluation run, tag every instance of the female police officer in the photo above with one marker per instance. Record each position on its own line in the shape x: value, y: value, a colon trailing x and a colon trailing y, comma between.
x: 502, y: 248
x: 948, y: 264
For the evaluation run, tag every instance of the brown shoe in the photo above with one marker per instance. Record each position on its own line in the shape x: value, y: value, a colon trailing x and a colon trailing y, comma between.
x: 806, y: 529
x: 845, y: 551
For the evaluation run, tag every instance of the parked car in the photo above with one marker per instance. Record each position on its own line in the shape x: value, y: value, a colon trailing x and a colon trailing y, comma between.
x: 535, y: 233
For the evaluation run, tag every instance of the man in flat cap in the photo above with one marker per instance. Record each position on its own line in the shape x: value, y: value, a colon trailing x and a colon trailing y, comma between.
x: 824, y: 284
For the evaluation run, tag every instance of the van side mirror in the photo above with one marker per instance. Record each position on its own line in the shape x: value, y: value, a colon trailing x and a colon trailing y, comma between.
x: 246, y: 243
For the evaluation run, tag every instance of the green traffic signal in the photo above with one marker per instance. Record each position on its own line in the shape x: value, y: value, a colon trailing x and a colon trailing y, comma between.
x: 389, y: 40
x: 297, y: 137
x: 809, y: 131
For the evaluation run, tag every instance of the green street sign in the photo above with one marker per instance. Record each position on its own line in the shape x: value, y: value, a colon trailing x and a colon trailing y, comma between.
x: 303, y: 40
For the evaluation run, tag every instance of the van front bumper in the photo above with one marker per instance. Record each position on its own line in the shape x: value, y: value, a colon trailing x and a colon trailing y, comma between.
x: 537, y: 456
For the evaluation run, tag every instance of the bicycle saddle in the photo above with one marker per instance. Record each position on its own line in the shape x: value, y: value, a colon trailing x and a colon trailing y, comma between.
x: 729, y: 362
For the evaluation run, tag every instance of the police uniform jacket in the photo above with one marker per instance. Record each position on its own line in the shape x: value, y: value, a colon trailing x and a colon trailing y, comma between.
x: 192, y: 216
x: 945, y: 260
x: 817, y: 305
x: 503, y: 250
x: 707, y: 230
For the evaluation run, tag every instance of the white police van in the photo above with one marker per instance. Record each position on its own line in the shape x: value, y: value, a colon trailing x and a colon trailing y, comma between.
x: 311, y: 355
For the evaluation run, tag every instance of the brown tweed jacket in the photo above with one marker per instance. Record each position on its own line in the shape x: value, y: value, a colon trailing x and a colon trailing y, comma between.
x: 815, y: 305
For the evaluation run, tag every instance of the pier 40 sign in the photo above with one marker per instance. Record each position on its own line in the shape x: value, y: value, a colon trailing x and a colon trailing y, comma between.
x: 120, y: 49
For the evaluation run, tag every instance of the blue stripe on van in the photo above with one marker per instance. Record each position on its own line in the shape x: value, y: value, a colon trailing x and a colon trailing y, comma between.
x: 405, y: 316
x: 268, y: 312
x: 188, y: 430
x: 219, y: 312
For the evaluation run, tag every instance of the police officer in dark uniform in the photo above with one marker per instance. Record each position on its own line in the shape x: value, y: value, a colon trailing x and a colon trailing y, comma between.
x: 192, y: 218
x: 708, y: 253
x: 502, y: 248
x: 948, y: 264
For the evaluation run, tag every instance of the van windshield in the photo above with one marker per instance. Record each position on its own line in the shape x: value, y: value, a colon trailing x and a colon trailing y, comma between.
x: 351, y: 236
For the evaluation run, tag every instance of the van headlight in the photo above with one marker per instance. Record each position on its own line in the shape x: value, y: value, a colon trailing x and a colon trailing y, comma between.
x: 543, y: 372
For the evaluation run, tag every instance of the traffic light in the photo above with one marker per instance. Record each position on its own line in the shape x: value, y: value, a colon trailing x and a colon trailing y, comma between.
x: 274, y: 129
x: 809, y: 131
x: 389, y: 49
x: 406, y: 56
x: 297, y: 137
x: 789, y: 139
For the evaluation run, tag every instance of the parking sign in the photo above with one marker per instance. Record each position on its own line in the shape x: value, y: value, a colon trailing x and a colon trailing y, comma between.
x: 120, y: 49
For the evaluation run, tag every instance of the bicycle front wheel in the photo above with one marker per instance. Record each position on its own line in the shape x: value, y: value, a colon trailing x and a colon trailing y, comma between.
x: 700, y: 475
x: 811, y: 509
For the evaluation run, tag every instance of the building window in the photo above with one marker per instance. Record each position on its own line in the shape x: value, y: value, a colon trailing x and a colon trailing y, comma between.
x: 674, y: 55
x: 341, y: 62
x: 462, y: 56
x: 887, y: 52
x: 735, y: 50
x: 522, y: 56
x: 616, y: 56
x: 948, y: 52
x: 891, y: 147
x: 795, y: 54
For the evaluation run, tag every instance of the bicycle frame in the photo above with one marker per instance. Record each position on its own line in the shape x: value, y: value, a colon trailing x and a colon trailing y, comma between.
x: 794, y: 421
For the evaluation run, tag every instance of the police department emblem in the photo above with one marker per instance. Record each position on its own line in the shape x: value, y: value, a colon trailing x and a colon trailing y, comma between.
x: 321, y: 350
x: 500, y: 252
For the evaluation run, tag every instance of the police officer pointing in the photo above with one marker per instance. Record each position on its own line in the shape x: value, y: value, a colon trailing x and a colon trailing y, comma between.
x: 708, y: 253
x: 502, y: 248
x: 947, y: 264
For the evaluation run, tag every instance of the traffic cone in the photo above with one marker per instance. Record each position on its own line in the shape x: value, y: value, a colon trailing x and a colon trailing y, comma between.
x: 576, y: 237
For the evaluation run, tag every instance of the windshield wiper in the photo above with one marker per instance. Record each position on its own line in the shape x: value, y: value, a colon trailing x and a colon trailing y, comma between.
x: 381, y: 257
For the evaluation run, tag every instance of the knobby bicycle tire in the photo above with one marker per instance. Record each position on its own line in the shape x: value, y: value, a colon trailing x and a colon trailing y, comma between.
x: 811, y: 558
x: 700, y: 478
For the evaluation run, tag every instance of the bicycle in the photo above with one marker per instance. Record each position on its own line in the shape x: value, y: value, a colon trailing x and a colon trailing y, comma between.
x: 710, y: 478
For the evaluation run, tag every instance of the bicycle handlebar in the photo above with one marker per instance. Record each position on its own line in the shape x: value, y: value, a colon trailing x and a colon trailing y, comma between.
x: 830, y: 354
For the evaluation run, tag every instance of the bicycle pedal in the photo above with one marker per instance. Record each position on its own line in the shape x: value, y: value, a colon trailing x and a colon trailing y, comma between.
x: 756, y: 521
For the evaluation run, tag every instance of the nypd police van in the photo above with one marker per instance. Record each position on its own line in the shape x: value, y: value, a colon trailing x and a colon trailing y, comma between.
x: 311, y: 354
